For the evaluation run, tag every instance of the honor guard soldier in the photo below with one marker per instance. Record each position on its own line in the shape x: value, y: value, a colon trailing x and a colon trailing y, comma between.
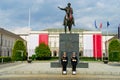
x: 74, y: 61
x: 64, y: 62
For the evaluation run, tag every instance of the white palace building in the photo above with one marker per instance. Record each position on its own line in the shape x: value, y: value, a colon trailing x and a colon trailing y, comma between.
x: 7, y: 40
x: 91, y: 43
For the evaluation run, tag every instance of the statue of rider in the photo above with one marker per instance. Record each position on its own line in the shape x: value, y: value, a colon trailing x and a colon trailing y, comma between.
x: 69, y: 15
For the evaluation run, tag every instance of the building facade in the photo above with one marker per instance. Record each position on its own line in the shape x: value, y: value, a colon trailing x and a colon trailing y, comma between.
x: 91, y: 43
x: 7, y: 40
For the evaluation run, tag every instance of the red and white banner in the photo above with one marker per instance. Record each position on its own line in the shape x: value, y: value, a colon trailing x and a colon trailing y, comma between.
x: 97, y: 45
x: 88, y: 45
x: 32, y: 44
x: 34, y: 40
x: 92, y: 45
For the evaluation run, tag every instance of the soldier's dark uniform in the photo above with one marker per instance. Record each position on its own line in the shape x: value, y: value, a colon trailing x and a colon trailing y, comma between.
x: 74, y: 61
x: 64, y: 62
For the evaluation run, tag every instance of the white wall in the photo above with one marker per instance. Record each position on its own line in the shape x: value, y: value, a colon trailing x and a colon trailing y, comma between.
x: 88, y: 45
x: 105, y: 38
x: 32, y: 43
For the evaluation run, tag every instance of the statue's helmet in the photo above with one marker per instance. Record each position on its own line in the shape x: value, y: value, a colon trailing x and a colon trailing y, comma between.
x: 69, y: 4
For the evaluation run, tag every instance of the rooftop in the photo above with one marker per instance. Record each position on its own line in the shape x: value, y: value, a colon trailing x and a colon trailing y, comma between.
x: 3, y: 31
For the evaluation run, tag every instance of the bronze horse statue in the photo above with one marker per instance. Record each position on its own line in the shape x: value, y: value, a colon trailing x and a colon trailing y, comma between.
x: 68, y: 19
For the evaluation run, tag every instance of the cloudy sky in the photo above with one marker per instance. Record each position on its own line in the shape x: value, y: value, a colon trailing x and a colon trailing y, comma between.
x: 14, y: 14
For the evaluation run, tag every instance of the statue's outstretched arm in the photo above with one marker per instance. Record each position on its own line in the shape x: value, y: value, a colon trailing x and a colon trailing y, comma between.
x: 61, y: 8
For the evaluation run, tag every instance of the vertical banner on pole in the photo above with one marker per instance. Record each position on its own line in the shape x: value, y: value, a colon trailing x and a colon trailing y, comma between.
x: 97, y: 45
x: 88, y: 45
x: 32, y: 43
x: 43, y: 38
x: 94, y: 46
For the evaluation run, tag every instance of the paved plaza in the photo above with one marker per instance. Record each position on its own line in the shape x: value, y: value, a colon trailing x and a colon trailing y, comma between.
x: 43, y: 70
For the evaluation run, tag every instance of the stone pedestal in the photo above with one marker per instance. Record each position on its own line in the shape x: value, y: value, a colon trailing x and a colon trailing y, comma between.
x: 68, y: 43
x: 79, y: 65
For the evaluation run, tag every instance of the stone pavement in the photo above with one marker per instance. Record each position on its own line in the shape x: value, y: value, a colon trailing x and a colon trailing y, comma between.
x: 43, y: 68
x: 58, y: 77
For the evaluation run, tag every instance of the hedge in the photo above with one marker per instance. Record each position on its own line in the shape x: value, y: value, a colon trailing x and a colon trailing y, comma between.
x: 5, y: 59
x: 42, y: 52
x: 114, y: 50
x: 19, y: 51
x: 87, y: 59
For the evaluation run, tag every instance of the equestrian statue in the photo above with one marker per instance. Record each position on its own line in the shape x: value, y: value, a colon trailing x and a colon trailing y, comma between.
x: 68, y: 19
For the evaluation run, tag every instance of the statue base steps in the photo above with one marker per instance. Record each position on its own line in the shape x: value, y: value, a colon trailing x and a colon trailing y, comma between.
x: 79, y: 65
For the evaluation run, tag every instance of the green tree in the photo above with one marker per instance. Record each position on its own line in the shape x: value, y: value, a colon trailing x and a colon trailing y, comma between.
x: 19, y: 51
x: 43, y: 52
x: 114, y: 50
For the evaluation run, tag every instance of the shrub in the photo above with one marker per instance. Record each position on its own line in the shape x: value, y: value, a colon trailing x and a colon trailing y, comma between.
x: 114, y: 56
x: 19, y: 51
x: 43, y: 52
x: 54, y: 58
x: 114, y: 50
x: 5, y: 59
x: 87, y: 59
x: 33, y: 57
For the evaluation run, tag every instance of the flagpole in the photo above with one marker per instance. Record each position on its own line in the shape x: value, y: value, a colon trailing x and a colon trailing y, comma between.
x: 29, y: 29
x: 107, y: 43
x: 95, y: 42
x: 29, y: 19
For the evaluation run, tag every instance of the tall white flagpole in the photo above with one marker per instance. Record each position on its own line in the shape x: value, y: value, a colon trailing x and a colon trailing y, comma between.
x: 107, y: 40
x: 28, y: 32
x: 29, y: 18
x: 107, y: 43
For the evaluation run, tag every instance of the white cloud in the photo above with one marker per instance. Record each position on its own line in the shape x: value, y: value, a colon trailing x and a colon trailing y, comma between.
x: 44, y: 13
x: 85, y: 22
x: 36, y: 5
x: 100, y: 5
